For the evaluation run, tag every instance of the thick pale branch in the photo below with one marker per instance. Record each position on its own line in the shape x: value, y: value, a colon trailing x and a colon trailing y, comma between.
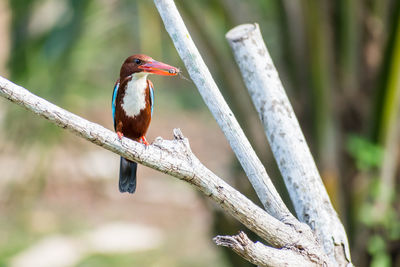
x: 213, y: 98
x: 288, y: 144
x: 175, y: 158
x: 270, y: 257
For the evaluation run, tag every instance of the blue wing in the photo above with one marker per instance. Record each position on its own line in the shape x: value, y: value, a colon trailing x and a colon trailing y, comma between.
x: 114, y: 99
x: 151, y: 97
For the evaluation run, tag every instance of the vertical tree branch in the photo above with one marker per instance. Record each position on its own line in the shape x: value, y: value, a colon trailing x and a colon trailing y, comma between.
x: 288, y: 144
x: 208, y: 89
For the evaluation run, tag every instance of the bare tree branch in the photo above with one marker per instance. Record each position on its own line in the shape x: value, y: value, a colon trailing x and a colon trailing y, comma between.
x: 201, y: 76
x: 208, y: 89
x: 175, y: 158
x: 271, y: 257
x: 288, y: 144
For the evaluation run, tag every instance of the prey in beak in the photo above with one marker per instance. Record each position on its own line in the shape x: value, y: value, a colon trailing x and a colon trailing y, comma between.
x: 159, y: 68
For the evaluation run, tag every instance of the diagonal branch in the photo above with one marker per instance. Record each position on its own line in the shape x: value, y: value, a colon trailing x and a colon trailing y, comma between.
x: 175, y: 158
x: 213, y: 98
x: 287, y: 141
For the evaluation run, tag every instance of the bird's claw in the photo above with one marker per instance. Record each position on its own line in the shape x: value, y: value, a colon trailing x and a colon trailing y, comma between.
x: 120, y: 135
x: 144, y: 141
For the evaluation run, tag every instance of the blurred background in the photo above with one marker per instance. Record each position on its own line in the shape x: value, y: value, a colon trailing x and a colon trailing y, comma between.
x: 59, y: 201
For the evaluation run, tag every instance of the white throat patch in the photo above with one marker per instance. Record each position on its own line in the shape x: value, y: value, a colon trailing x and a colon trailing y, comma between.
x: 134, y: 99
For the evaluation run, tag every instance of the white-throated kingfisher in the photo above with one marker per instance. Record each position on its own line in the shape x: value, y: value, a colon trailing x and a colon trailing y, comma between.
x: 132, y: 107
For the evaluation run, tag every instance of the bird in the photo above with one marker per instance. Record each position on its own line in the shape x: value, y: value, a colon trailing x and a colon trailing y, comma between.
x: 132, y: 107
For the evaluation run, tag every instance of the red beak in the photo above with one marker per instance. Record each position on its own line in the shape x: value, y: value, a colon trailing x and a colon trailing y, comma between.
x: 159, y: 68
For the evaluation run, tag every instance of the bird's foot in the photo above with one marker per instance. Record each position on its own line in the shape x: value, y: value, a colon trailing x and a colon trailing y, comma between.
x: 144, y: 141
x: 120, y: 135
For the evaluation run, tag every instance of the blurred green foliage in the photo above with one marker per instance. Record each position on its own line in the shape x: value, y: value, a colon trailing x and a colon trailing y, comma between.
x: 339, y: 62
x: 377, y: 248
x: 372, y: 213
x: 365, y: 153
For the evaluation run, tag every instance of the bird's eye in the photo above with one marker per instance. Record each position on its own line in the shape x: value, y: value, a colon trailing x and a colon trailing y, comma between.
x: 137, y: 61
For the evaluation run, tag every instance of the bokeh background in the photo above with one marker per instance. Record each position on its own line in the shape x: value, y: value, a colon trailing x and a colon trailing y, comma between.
x: 59, y: 200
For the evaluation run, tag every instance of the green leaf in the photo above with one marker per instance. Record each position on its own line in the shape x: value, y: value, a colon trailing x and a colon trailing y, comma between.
x: 366, y: 154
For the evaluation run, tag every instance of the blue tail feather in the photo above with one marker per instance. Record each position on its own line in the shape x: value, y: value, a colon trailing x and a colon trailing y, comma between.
x: 127, y: 176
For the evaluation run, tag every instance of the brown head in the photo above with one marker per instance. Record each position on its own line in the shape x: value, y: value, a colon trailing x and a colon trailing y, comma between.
x: 142, y: 63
